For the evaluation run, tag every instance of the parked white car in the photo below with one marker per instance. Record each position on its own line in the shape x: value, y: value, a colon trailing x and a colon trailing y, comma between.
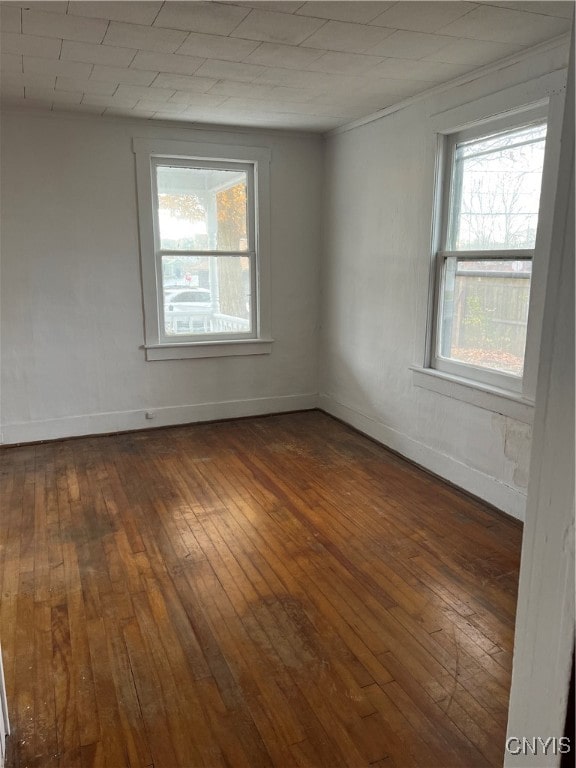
x: 188, y: 311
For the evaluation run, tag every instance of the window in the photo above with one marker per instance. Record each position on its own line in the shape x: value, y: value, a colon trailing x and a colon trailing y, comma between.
x: 203, y: 236
x: 491, y: 197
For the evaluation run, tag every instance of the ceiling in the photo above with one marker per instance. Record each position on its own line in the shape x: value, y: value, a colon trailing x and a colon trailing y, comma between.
x: 296, y: 65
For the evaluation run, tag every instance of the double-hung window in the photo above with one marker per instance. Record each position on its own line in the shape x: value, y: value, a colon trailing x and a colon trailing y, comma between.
x: 490, y: 204
x: 202, y: 211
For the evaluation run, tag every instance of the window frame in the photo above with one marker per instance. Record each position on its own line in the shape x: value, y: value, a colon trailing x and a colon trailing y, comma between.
x: 151, y: 153
x: 447, y: 142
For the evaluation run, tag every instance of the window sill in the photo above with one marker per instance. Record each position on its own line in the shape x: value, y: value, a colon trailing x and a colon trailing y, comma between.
x: 481, y: 395
x: 179, y: 351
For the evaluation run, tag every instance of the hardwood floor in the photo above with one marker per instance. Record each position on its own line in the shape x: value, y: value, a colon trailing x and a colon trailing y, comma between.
x: 276, y: 591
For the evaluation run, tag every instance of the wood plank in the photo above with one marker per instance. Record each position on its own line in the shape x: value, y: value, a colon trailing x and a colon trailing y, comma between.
x: 273, y: 591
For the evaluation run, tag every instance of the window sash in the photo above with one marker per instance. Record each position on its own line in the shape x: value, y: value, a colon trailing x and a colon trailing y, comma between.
x: 198, y: 338
x: 484, y: 375
x: 452, y: 182
x: 220, y: 165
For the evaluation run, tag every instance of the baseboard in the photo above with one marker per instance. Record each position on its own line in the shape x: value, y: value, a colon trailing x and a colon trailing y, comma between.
x: 125, y: 421
x: 485, y: 487
x: 497, y: 493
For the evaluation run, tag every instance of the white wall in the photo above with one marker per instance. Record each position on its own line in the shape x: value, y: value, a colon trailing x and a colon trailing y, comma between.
x: 72, y: 324
x: 375, y: 283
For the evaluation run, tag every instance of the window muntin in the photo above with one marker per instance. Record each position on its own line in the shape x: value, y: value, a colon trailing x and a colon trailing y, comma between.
x: 204, y: 222
x: 490, y: 223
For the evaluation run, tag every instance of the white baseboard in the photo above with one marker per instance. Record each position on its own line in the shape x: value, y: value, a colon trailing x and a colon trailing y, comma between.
x: 124, y: 421
x: 495, y: 492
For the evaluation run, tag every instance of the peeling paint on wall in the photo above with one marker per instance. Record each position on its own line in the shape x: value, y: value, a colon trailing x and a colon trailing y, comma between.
x: 517, y: 440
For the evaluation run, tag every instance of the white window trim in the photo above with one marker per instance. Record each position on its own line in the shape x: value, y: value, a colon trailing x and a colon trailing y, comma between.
x: 546, y: 92
x: 148, y: 151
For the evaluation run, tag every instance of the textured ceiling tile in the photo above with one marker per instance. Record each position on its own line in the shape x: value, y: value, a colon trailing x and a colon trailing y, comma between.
x: 213, y: 18
x: 34, y: 104
x: 121, y: 75
x: 349, y: 112
x: 422, y: 16
x: 33, y: 65
x: 410, y: 45
x: 184, y: 82
x: 290, y: 56
x: 393, y: 91
x: 366, y: 102
x: 44, y: 47
x: 271, y: 27
x: 141, y: 92
x: 85, y: 86
x: 476, y: 52
x: 97, y: 54
x: 249, y: 114
x: 66, y: 27
x: 501, y: 25
x: 301, y: 108
x: 255, y: 91
x: 119, y: 111
x: 216, y: 47
x: 355, y: 38
x: 164, y: 106
x: 345, y: 63
x: 146, y: 38
x: 134, y: 12
x: 167, y: 62
x: 187, y: 99
x: 360, y: 12
x: 294, y: 78
x: 10, y: 18
x: 428, y: 71
x: 109, y: 101
x: 181, y: 117
x: 47, y: 7
x: 87, y: 108
x: 10, y: 62
x: 563, y: 10
x: 274, y: 5
x: 11, y: 93
x: 64, y: 97
x: 230, y: 70
x: 23, y: 79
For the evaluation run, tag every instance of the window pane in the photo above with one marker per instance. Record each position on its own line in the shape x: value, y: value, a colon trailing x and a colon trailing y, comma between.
x: 202, y: 209
x: 206, y: 295
x: 484, y: 313
x: 496, y: 191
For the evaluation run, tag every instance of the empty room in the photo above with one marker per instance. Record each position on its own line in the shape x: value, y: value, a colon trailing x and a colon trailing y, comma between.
x: 287, y: 384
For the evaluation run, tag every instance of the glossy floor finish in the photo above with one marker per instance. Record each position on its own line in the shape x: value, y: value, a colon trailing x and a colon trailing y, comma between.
x: 276, y: 591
